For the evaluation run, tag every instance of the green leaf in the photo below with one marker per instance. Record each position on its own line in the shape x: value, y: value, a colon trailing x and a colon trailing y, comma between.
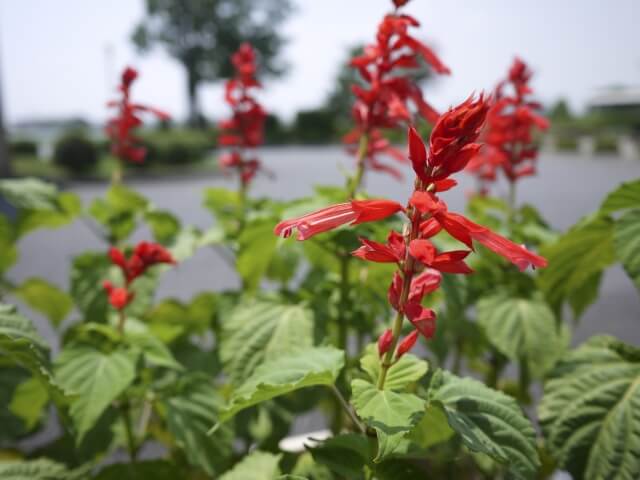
x: 29, y: 194
x: 391, y: 414
x: 150, y: 469
x: 97, y: 378
x: 287, y: 373
x: 29, y: 401
x: 255, y: 466
x: 345, y: 454
x: 68, y: 208
x: 164, y: 225
x: 409, y: 369
x: 189, y: 414
x: 627, y: 195
x: 45, y: 298
x: 590, y: 411
x: 8, y: 248
x: 118, y: 211
x: 487, y: 421
x: 154, y: 351
x: 576, y: 261
x: 257, y: 247
x: 259, y: 331
x: 626, y: 239
x: 14, y: 326
x: 432, y: 429
x: 522, y: 329
x: 41, y: 469
x: 22, y: 344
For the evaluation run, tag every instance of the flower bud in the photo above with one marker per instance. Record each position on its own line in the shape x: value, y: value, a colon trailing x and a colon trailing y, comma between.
x: 384, y: 342
x: 407, y: 344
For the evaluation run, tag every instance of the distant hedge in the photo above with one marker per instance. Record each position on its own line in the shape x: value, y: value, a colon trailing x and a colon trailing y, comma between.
x: 23, y: 146
x: 75, y: 152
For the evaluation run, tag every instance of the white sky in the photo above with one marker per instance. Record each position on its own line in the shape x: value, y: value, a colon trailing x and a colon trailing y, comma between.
x: 53, y: 51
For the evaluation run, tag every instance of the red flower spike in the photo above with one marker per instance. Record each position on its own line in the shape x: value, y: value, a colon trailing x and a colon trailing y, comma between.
x: 407, y: 344
x: 245, y: 128
x: 352, y: 213
x: 145, y: 255
x: 384, y: 341
x: 509, y: 138
x: 120, y: 297
x: 121, y: 128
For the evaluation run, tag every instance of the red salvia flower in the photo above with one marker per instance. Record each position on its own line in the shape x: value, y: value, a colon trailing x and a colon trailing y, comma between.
x: 407, y: 344
x: 121, y: 128
x: 419, y: 262
x: 352, y: 213
x: 384, y: 341
x: 389, y: 91
x: 144, y: 256
x: 508, y: 136
x: 245, y: 129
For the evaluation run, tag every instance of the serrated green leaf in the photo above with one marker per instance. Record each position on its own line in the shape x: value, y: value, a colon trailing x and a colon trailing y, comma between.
x: 576, y: 260
x: 345, y: 454
x: 432, y: 429
x: 68, y: 207
x: 626, y: 238
x: 409, y: 369
x: 29, y: 401
x: 522, y: 329
x: 391, y: 414
x: 96, y: 378
x: 15, y: 326
x: 154, y: 351
x: 627, y: 195
x: 189, y: 414
x: 287, y: 373
x: 259, y: 331
x: 590, y: 411
x: 41, y: 469
x: 488, y: 421
x: 45, y: 298
x: 29, y: 193
x: 255, y: 466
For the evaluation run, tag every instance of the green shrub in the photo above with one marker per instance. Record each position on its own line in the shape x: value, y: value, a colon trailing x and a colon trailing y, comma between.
x: 606, y: 143
x: 23, y: 146
x: 76, y: 153
x: 176, y: 147
x: 566, y: 143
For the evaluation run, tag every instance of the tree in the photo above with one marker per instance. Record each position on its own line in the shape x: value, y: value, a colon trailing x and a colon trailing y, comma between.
x: 202, y: 35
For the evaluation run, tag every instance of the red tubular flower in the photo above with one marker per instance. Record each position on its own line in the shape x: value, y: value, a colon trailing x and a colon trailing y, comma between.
x: 121, y: 128
x: 390, y: 94
x: 407, y: 344
x: 424, y: 319
x: 384, y: 341
x: 447, y: 262
x: 464, y: 230
x: 511, y: 123
x: 352, y: 213
x: 392, y: 252
x: 245, y: 128
x: 119, y: 297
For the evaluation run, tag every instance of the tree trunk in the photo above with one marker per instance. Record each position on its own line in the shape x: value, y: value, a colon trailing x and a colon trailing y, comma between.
x: 193, y: 80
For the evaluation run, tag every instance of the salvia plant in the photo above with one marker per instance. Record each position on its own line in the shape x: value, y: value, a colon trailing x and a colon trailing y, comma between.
x: 430, y: 343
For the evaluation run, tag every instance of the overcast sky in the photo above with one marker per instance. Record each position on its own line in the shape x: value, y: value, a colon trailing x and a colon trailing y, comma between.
x: 53, y: 52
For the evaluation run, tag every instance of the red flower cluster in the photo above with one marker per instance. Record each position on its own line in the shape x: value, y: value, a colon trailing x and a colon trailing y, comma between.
x: 245, y: 128
x: 121, y: 128
x: 384, y: 103
x: 511, y: 122
x: 420, y: 264
x: 144, y: 255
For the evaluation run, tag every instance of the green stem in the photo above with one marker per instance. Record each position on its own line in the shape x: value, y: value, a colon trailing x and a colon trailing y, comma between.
x: 116, y: 173
x: 343, y: 403
x: 512, y: 200
x: 131, y: 441
x: 343, y: 332
x: 354, y: 182
x: 524, y: 378
x: 121, y: 321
